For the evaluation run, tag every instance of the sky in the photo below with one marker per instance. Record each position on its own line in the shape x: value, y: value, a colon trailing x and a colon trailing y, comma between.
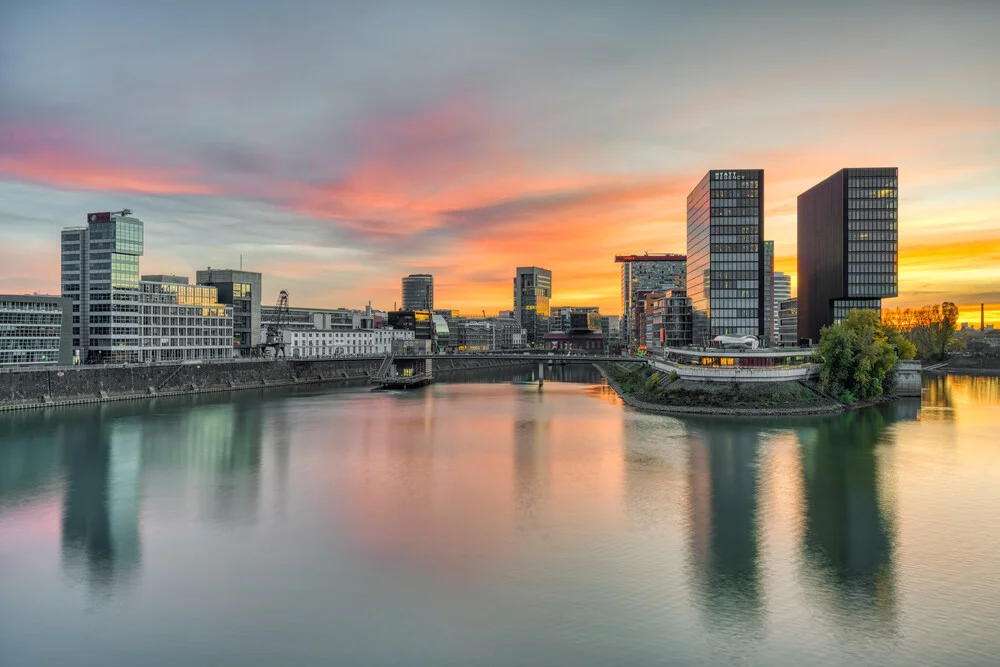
x: 338, y: 146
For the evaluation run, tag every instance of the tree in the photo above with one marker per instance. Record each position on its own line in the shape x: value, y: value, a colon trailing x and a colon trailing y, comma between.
x: 859, y: 355
x: 930, y: 328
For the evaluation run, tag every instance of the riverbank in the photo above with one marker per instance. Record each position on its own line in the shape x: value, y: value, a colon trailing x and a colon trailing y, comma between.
x: 644, y: 389
x: 54, y: 387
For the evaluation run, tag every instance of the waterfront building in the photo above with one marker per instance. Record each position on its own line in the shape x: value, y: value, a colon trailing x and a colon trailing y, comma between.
x: 241, y: 290
x: 313, y: 344
x: 667, y: 319
x: 532, y: 295
x: 725, y: 254
x: 487, y: 333
x: 318, y: 319
x: 788, y: 323
x: 782, y: 292
x: 848, y: 255
x: 646, y: 273
x: 442, y: 332
x: 580, y: 337
x: 420, y: 322
x: 559, y: 317
x: 118, y: 317
x: 769, y: 319
x: 418, y: 292
x: 35, y: 330
x: 611, y: 328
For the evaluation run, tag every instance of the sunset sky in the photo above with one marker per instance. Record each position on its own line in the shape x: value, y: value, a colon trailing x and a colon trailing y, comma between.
x: 340, y: 146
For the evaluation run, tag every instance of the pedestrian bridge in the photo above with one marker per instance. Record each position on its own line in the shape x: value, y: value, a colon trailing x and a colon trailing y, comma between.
x: 529, y: 357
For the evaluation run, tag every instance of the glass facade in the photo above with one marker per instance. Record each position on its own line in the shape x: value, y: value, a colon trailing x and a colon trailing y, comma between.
x: 418, y: 292
x: 242, y: 290
x: 769, y: 312
x: 532, y: 296
x: 848, y: 231
x: 642, y: 274
x: 119, y: 317
x: 725, y: 262
x: 872, y: 197
x: 32, y: 330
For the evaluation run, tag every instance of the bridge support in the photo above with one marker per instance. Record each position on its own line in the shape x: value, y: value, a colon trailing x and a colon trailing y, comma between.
x: 541, y: 373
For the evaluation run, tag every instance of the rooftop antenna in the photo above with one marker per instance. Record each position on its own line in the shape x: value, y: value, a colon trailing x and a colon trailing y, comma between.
x: 241, y: 261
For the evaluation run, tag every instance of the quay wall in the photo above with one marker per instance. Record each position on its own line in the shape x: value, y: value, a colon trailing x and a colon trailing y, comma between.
x: 74, y: 385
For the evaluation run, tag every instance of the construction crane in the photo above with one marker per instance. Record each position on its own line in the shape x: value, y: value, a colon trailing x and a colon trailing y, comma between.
x: 274, y: 338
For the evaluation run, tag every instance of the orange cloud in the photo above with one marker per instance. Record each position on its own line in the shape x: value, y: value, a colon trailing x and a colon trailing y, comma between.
x: 51, y: 157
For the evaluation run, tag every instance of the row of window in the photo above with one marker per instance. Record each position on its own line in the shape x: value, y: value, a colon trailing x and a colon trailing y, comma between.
x: 733, y: 211
x: 873, y: 182
x: 872, y: 204
x: 161, y: 342
x: 871, y: 246
x: 872, y: 214
x: 28, y: 357
x: 30, y: 318
x: 46, y: 343
x: 871, y: 290
x: 160, y: 331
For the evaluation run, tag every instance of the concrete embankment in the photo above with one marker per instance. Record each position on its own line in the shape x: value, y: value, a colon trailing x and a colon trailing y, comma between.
x: 718, y: 411
x: 92, y: 384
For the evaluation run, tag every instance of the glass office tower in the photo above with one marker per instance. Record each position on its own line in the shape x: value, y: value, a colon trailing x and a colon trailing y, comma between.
x: 848, y: 246
x: 532, y: 295
x: 418, y: 292
x: 725, y: 254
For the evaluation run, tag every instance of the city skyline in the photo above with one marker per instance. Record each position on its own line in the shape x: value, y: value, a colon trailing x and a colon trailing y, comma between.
x: 551, y: 148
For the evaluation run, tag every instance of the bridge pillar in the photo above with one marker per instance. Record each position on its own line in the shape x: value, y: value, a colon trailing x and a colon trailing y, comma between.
x: 541, y: 372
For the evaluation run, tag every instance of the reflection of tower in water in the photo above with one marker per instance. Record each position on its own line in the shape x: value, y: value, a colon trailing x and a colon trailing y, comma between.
x: 723, y: 521
x: 100, y: 521
x: 220, y: 439
x: 531, y: 458
x: 847, y: 538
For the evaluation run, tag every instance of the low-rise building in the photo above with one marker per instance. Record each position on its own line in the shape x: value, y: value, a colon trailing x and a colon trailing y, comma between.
x: 35, y: 330
x: 788, y: 323
x: 667, y: 320
x: 313, y: 344
x: 559, y: 317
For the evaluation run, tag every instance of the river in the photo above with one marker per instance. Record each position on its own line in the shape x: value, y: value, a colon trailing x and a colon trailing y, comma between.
x: 478, y: 522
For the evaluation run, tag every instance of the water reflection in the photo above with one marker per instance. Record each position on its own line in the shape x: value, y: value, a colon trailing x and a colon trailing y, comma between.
x: 100, y: 517
x: 102, y: 460
x: 723, y: 462
x: 848, y: 536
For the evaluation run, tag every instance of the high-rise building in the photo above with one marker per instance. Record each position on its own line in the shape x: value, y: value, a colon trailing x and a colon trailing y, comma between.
x: 532, y: 294
x: 120, y: 317
x: 646, y: 273
x: 418, y: 292
x: 782, y: 292
x: 725, y: 254
x: 35, y: 330
x: 241, y: 290
x: 848, y: 246
x: 769, y: 317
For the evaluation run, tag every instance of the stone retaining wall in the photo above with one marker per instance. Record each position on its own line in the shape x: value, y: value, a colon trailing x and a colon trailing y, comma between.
x: 89, y: 384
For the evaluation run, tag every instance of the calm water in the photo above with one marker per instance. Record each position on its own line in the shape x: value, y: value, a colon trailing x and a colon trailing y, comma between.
x: 489, y: 524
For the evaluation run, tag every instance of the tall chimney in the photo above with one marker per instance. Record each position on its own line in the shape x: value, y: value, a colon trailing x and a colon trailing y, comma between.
x: 982, y: 317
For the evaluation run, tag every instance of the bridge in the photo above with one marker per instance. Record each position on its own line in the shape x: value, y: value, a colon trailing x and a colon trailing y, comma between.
x: 527, y: 357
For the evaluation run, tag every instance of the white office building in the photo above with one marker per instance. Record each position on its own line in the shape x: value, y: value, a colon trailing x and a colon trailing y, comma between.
x: 316, y: 343
x: 118, y: 317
